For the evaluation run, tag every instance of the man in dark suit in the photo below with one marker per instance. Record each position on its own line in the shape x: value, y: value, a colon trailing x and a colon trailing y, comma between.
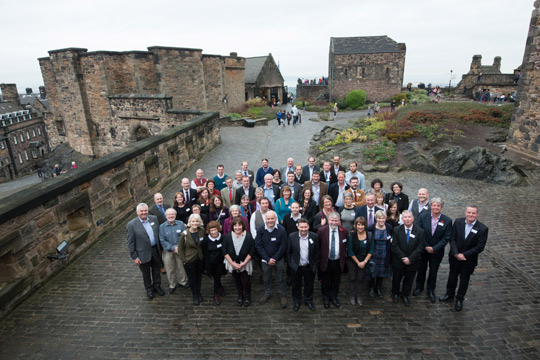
x: 299, y: 175
x: 335, y: 169
x: 468, y: 239
x: 307, y: 171
x: 326, y: 174
x: 337, y: 189
x: 190, y: 194
x: 295, y: 187
x: 158, y: 209
x: 333, y: 244
x: 245, y: 189
x: 303, y: 256
x: 228, y: 193
x: 245, y: 171
x: 407, y: 246
x: 368, y: 211
x: 318, y: 188
x: 142, y: 238
x: 437, y: 231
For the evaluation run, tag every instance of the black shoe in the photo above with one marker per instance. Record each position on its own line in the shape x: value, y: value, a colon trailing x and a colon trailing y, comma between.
x: 371, y: 292
x: 196, y: 300
x: 171, y: 290
x: 379, y: 292
x: 395, y: 298
x: 446, y: 297
x: 240, y: 302
x: 326, y: 304
x: 459, y: 305
x: 432, y: 296
x: 185, y: 286
x: 336, y: 302
x: 159, y: 291
x: 417, y: 291
x: 296, y: 306
x: 150, y: 293
x: 310, y: 306
x: 247, y: 302
x: 200, y: 298
x: 406, y: 301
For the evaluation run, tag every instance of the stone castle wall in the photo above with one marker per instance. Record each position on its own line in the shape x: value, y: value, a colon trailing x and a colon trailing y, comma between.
x: 525, y: 125
x: 83, y: 205
x: 81, y: 83
x: 379, y: 74
x: 310, y: 92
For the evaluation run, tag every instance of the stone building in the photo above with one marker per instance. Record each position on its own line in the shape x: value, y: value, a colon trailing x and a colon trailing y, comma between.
x: 104, y: 100
x: 491, y: 78
x: 23, y: 138
x: 263, y: 79
x: 525, y: 125
x: 375, y: 64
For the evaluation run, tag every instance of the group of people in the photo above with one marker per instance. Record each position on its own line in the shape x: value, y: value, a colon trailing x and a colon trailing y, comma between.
x: 283, y: 116
x: 297, y: 224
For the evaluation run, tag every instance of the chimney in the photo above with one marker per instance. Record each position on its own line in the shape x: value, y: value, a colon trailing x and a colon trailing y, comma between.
x: 42, y: 92
x: 497, y: 63
x: 10, y: 93
x: 476, y: 63
x: 28, y: 91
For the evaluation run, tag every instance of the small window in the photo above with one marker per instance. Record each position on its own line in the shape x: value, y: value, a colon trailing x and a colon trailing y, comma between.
x: 20, y: 158
x: 28, y: 134
x: 22, y: 137
x: 39, y: 131
x: 34, y: 132
x: 34, y: 154
x: 345, y: 72
x: 15, y: 139
x: 363, y: 71
x: 26, y: 154
x: 2, y: 145
x: 387, y: 71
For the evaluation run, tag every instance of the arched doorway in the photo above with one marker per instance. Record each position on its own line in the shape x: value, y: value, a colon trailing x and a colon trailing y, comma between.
x: 141, y: 133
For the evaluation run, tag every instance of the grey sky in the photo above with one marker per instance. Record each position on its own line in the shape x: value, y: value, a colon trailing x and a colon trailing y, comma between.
x: 440, y: 35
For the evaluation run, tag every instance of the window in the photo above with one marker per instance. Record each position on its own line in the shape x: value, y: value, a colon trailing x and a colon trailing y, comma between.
x: 15, y: 139
x: 387, y: 71
x: 2, y: 145
x: 22, y: 137
x: 34, y: 132
x: 26, y: 154
x: 28, y: 134
x: 34, y: 154
x: 39, y: 131
x: 20, y: 158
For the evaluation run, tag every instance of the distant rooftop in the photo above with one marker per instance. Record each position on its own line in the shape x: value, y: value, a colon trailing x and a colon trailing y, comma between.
x: 364, y: 45
x: 9, y: 107
x: 253, y: 68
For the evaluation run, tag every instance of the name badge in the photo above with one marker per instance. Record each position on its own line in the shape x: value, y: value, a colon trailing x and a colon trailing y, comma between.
x: 364, y: 241
x: 440, y: 224
x: 474, y: 231
x: 273, y: 239
x: 412, y: 236
x: 178, y: 231
x: 218, y: 245
x: 152, y: 224
x: 201, y: 238
x: 425, y: 208
x: 188, y: 209
x: 388, y: 237
x: 344, y: 240
x: 311, y: 241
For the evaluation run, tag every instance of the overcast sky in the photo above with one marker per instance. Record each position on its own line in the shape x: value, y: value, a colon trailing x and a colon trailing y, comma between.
x: 440, y: 35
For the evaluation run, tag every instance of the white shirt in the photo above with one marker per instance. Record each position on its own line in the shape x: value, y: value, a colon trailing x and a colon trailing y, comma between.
x: 252, y: 226
x: 304, y: 251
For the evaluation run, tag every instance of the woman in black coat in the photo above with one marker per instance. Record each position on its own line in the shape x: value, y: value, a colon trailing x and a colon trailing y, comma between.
x: 214, y: 257
x: 238, y: 250
x: 308, y: 207
x: 397, y: 195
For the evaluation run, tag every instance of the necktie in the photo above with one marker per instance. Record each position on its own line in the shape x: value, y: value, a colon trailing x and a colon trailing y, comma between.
x: 245, y: 173
x: 408, y: 233
x: 333, y: 245
x: 230, y: 195
x: 161, y: 210
x: 370, y: 217
x: 354, y: 194
x: 187, y: 197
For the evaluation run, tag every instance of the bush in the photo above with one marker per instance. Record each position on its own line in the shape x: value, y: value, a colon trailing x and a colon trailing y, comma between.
x: 342, y: 104
x: 398, y: 97
x: 256, y: 102
x: 356, y: 98
x: 234, y: 115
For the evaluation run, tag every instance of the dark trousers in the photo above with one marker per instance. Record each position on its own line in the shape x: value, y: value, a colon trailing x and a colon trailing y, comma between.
x: 242, y: 280
x: 433, y: 260
x: 356, y: 278
x: 194, y: 272
x: 216, y: 270
x: 405, y: 273
x: 331, y: 278
x: 303, y: 273
x: 464, y: 271
x: 152, y: 267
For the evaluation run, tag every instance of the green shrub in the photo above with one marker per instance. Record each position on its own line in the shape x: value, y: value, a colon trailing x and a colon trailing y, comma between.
x: 234, y: 115
x: 342, y: 104
x: 401, y: 96
x: 356, y: 98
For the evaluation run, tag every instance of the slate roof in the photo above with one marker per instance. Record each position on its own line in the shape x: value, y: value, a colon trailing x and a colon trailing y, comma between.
x: 253, y: 68
x: 9, y: 107
x: 363, y: 45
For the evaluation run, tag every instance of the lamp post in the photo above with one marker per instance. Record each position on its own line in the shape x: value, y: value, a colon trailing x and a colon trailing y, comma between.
x: 450, y: 82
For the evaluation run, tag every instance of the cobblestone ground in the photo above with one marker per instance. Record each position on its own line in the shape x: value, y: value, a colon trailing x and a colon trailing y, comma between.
x: 96, y: 308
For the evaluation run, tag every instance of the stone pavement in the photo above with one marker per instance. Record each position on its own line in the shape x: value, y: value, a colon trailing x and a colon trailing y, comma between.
x: 96, y: 308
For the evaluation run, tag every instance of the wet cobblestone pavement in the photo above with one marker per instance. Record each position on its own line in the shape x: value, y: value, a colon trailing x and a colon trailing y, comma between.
x: 97, y: 308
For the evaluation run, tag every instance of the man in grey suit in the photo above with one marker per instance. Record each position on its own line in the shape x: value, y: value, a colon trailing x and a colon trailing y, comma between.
x: 295, y: 187
x: 285, y: 169
x: 144, y: 248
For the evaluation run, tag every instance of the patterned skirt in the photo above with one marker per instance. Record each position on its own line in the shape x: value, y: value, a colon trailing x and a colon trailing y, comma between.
x: 379, y: 255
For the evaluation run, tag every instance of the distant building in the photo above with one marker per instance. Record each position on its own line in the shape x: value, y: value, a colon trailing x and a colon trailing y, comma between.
x: 102, y: 101
x: 372, y: 63
x: 23, y: 138
x: 487, y: 77
x: 263, y: 79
